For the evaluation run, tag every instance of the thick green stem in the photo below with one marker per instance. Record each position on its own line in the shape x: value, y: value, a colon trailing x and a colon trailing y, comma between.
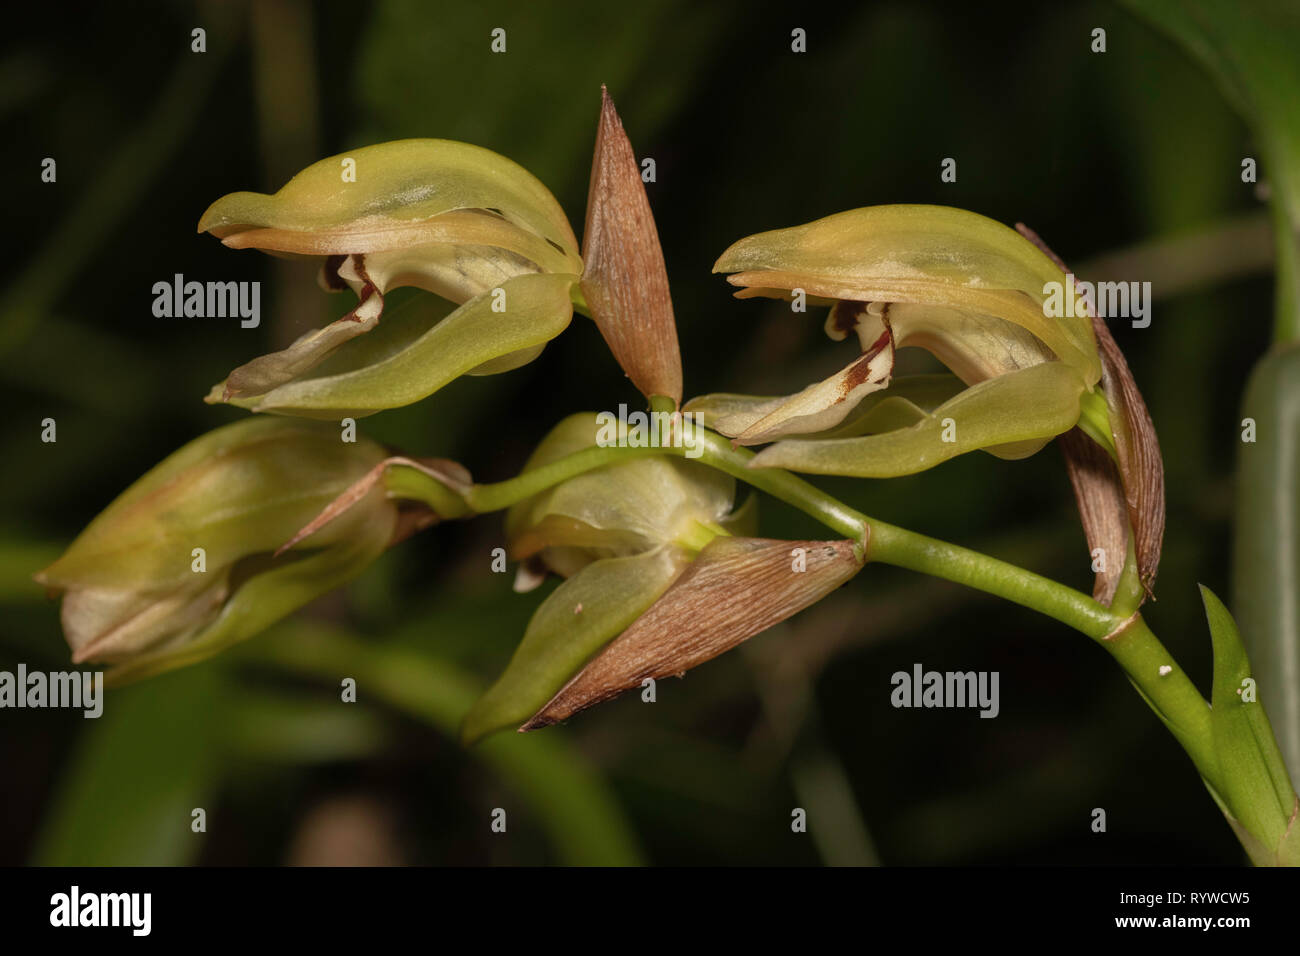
x: 1168, y: 691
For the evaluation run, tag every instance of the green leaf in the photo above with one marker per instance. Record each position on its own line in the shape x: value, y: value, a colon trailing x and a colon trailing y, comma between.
x: 1021, y: 410
x: 1252, y: 778
x: 126, y: 796
x: 572, y: 803
x: 575, y: 621
x: 284, y: 728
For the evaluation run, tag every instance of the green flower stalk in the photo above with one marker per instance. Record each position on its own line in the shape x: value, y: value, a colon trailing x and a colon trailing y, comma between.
x: 182, y: 564
x: 453, y: 219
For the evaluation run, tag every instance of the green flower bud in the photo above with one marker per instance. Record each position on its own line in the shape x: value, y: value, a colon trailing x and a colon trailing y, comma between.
x: 656, y: 583
x: 618, y: 510
x: 182, y: 564
x: 452, y: 219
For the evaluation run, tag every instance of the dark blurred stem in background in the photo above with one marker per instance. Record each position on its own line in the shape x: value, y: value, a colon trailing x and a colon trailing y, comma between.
x: 288, y: 128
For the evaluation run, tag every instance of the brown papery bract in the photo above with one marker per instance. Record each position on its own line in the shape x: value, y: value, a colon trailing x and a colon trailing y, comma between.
x: 1102, y: 508
x: 1141, y: 468
x: 624, y: 280
x: 450, y: 473
x: 1138, y: 485
x: 736, y: 588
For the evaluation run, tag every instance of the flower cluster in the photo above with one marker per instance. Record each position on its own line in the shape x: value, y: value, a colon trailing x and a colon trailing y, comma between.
x: 661, y: 572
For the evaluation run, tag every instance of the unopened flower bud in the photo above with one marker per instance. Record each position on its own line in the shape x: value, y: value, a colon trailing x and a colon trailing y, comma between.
x: 182, y: 563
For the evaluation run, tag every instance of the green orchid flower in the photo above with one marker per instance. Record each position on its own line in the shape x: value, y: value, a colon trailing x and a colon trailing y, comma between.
x: 457, y: 220
x: 961, y: 286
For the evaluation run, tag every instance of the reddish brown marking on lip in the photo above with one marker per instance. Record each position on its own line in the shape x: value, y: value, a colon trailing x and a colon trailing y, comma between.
x: 846, y: 313
x: 367, y: 290
x: 333, y: 281
x: 860, y: 371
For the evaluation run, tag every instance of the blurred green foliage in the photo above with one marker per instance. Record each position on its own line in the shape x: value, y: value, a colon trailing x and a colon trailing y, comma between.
x: 1097, y: 152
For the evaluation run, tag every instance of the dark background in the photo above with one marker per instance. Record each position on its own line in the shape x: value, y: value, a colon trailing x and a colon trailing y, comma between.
x: 1098, y: 152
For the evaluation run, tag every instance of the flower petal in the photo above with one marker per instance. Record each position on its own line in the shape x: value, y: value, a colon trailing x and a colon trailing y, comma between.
x: 1025, y: 408
x: 1013, y: 307
x: 537, y: 308
x: 268, y: 371
x: 111, y: 626
x: 818, y: 407
x: 907, y: 401
x: 461, y: 227
x: 630, y: 506
x: 827, y: 403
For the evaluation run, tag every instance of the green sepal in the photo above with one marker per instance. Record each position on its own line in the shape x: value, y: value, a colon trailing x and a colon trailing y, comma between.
x: 576, y: 620
x: 405, y: 181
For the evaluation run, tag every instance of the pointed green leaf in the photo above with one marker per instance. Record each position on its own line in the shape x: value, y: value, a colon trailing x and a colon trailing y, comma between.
x: 1250, y: 50
x: 124, y: 796
x: 1253, y: 780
